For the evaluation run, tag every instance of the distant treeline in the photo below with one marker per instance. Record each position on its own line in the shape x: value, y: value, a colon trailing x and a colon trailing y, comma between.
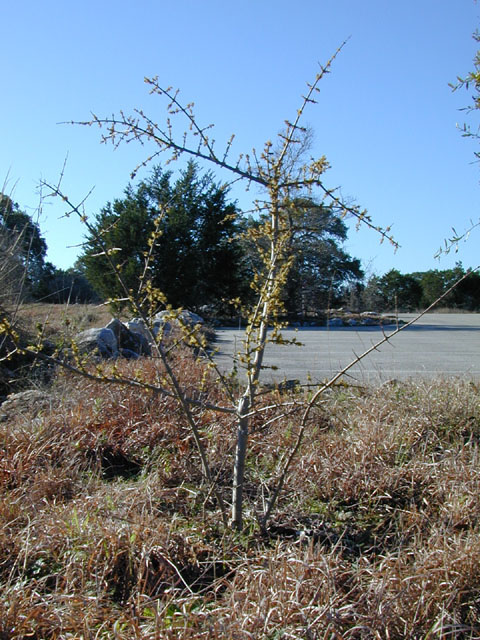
x: 418, y: 290
x: 205, y: 255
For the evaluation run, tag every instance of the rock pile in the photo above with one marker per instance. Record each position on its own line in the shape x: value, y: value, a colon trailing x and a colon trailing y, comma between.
x: 131, y: 339
x: 117, y: 339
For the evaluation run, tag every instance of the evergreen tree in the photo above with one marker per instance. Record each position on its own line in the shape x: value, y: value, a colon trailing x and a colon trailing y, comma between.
x: 321, y: 267
x: 124, y: 227
x: 62, y: 286
x: 195, y: 259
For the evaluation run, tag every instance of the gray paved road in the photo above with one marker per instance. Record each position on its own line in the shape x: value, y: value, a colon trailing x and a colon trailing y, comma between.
x: 438, y: 345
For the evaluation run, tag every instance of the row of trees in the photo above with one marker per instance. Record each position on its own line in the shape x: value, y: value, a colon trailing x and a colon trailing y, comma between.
x: 203, y: 256
x: 418, y: 290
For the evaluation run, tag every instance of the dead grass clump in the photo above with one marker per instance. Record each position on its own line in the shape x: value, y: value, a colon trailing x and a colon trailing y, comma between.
x: 103, y: 549
x: 122, y: 431
x: 372, y: 472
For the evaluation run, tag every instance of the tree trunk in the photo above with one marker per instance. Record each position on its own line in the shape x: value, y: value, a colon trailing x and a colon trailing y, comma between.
x: 240, y: 455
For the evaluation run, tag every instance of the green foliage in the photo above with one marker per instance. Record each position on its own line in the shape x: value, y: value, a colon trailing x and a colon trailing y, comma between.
x: 436, y: 282
x: 27, y: 247
x: 321, y: 268
x: 125, y: 224
x: 420, y: 289
x: 398, y: 291
x: 195, y: 260
x: 468, y: 293
x: 22, y: 253
x: 61, y: 286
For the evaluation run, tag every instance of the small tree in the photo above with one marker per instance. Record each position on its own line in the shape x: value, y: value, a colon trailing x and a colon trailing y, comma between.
x: 283, y: 172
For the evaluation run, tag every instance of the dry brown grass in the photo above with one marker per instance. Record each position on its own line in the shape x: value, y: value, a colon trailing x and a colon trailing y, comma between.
x: 106, y: 530
x: 53, y: 326
x: 56, y: 319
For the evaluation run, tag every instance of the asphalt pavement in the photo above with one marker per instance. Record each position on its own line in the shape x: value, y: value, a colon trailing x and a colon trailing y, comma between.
x: 437, y: 345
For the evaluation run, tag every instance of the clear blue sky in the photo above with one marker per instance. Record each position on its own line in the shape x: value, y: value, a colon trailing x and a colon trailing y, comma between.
x: 386, y: 118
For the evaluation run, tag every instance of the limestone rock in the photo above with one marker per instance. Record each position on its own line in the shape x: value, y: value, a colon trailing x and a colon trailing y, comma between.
x: 128, y: 343
x: 98, y: 341
x: 28, y: 403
